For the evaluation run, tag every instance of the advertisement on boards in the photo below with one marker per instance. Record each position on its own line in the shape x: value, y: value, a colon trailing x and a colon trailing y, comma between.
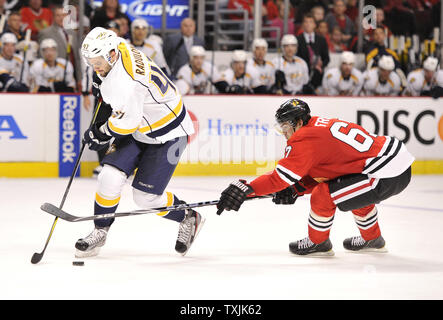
x: 152, y: 10
x: 69, y: 137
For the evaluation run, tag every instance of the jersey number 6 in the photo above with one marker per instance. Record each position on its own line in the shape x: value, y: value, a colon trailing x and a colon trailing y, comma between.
x: 355, y: 137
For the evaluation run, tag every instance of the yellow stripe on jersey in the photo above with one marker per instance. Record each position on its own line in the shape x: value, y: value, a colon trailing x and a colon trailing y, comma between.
x: 177, y: 110
x: 120, y: 130
x: 169, y: 203
x: 126, y: 59
x: 102, y: 202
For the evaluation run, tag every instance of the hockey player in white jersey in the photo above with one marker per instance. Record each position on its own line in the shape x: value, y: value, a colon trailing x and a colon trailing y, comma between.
x: 237, y: 79
x: 152, y: 49
x: 259, y: 66
x: 51, y: 73
x: 11, y: 62
x: 199, y: 75
x: 150, y: 125
x: 292, y: 72
x: 345, y: 80
x: 427, y: 81
x: 382, y: 81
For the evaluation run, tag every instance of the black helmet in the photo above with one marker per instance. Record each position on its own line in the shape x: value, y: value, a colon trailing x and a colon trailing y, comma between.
x: 293, y: 110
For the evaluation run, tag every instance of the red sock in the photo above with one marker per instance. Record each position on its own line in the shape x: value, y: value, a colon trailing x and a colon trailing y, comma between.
x: 367, y: 223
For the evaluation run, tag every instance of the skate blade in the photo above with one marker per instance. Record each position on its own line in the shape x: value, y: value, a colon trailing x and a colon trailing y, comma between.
x: 200, y: 226
x: 86, y: 254
x: 325, y: 254
x: 370, y: 250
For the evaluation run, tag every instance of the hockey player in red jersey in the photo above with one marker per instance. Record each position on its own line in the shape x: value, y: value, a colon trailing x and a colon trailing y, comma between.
x: 341, y: 165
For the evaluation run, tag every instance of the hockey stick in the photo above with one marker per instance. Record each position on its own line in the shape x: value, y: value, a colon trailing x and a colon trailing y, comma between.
x: 59, y: 213
x: 36, y: 257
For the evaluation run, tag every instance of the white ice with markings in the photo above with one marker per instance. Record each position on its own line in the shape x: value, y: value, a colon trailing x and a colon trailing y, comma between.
x: 239, y: 255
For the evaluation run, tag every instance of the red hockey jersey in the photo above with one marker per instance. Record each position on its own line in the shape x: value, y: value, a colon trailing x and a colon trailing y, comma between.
x: 330, y: 148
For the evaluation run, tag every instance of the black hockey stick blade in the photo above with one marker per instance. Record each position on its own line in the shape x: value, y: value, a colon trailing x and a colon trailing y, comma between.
x: 59, y: 213
x: 36, y: 257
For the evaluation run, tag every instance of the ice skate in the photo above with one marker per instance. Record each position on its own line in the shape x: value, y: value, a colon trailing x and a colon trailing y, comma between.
x: 361, y: 245
x: 306, y: 247
x: 90, y: 246
x: 188, y: 231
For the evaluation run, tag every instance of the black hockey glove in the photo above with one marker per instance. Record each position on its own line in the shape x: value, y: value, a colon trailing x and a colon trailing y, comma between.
x: 280, y: 79
x: 95, y: 139
x: 235, y: 89
x: 234, y: 196
x: 285, y: 196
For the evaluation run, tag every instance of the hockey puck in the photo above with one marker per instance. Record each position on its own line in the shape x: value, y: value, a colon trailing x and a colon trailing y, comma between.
x: 78, y: 263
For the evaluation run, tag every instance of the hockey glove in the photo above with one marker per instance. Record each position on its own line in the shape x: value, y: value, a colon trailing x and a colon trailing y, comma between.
x: 234, y: 196
x: 285, y: 196
x: 95, y: 139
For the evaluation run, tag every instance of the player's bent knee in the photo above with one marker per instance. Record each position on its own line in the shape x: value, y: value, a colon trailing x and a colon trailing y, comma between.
x: 111, y: 181
x: 148, y: 200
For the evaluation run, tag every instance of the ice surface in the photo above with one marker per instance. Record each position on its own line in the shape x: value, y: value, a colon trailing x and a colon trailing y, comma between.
x: 240, y: 255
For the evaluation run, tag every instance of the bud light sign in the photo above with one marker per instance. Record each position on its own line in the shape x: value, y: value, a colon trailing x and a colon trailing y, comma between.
x: 69, y: 134
x: 152, y: 10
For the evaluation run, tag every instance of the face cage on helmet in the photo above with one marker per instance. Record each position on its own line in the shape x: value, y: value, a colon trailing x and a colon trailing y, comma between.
x: 106, y: 56
x: 281, y: 127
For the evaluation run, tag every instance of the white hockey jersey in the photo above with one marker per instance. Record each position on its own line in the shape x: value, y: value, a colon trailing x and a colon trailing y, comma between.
x: 190, y: 82
x: 334, y: 84
x: 44, y: 75
x: 373, y: 87
x: 416, y: 82
x: 296, y: 73
x: 14, y: 68
x: 265, y: 72
x: 245, y: 81
x: 153, y: 51
x: 145, y: 103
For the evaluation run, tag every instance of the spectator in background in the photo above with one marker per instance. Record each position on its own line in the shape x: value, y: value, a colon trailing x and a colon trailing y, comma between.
x: 261, y: 69
x: 352, y: 10
x: 62, y: 38
x: 198, y: 76
x: 322, y: 30
x: 292, y: 74
x: 380, y: 18
x: 14, y: 24
x: 152, y: 49
x: 238, y: 81
x: 124, y: 23
x: 318, y: 12
x: 177, y: 46
x: 401, y: 20
x: 344, y: 80
x: 110, y: 10
x: 2, y: 7
x: 336, y: 44
x: 279, y: 22
x: 339, y: 18
x: 378, y: 48
x: 51, y: 73
x: 247, y: 5
x: 11, y: 62
x: 272, y: 8
x: 427, y: 81
x: 313, y: 48
x: 35, y: 17
x: 382, y: 81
